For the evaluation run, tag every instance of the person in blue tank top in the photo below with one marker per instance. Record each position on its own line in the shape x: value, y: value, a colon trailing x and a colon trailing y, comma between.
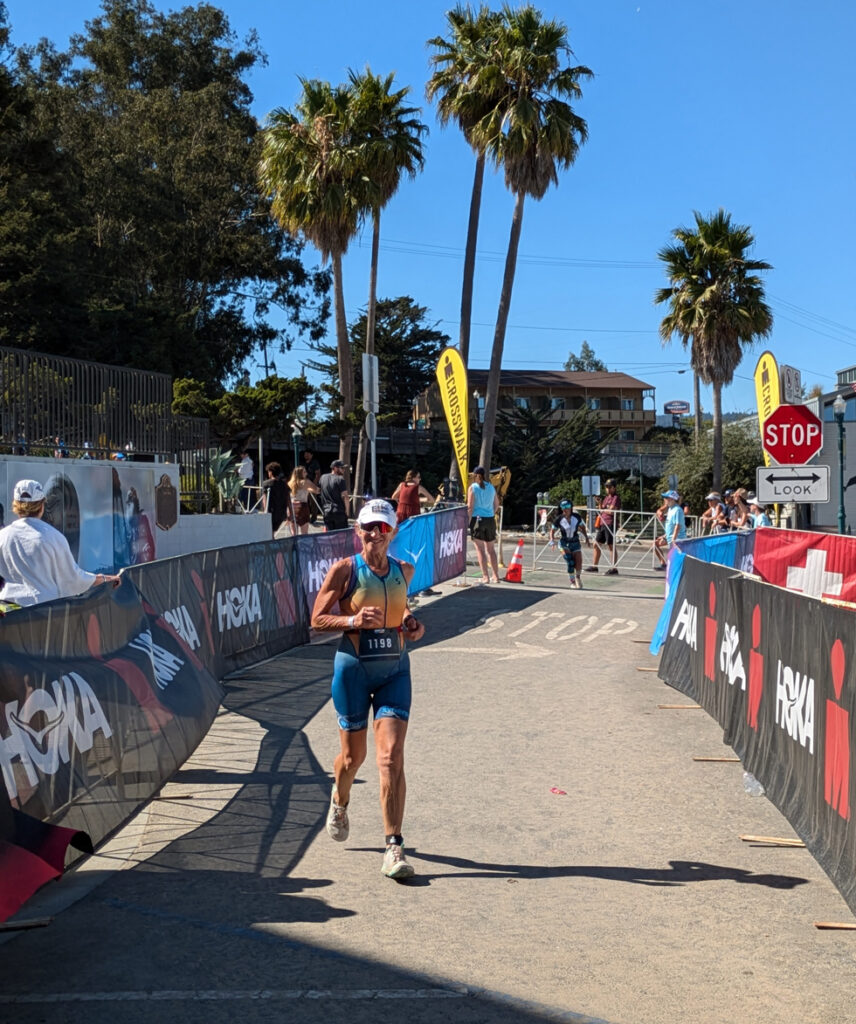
x: 482, y: 505
x: 366, y: 597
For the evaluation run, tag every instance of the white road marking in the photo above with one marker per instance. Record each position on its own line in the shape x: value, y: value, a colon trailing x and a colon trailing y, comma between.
x: 537, y: 619
x: 606, y: 630
x: 503, y: 653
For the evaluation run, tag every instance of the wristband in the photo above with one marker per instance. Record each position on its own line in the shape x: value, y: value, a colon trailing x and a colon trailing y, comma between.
x: 352, y: 621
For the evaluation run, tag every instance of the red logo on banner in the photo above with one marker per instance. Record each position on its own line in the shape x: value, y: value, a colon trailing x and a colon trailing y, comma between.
x: 756, y: 671
x: 836, y: 764
x: 817, y: 565
x: 710, y: 635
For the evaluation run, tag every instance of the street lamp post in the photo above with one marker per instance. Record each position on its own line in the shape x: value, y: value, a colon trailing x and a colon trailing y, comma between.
x: 838, y: 407
x: 632, y: 477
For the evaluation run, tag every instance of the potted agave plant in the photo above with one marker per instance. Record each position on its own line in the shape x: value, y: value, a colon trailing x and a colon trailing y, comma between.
x: 224, y: 473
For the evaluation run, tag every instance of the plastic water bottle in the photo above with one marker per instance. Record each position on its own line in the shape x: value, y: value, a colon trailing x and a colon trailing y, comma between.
x: 752, y: 786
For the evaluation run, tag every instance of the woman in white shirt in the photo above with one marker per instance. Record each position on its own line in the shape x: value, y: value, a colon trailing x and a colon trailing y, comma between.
x: 301, y: 487
x: 36, y: 563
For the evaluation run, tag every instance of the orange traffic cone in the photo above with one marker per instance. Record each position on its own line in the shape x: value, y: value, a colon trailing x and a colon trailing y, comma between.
x: 515, y: 568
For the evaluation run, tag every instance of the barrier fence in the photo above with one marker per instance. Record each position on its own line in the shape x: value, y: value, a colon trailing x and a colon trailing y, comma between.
x: 635, y: 533
x: 103, y: 697
x: 776, y: 668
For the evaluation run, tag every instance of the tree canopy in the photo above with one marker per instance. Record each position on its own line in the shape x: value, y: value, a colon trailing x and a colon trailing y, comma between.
x: 133, y: 231
x: 407, y: 345
x: 586, y: 360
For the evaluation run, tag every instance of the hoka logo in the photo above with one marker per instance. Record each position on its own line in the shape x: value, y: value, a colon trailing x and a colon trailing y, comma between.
x: 451, y: 543
x: 165, y: 664
x: 686, y: 625
x: 238, y: 606
x: 180, y: 620
x: 44, y: 730
x: 317, y: 572
x: 795, y: 705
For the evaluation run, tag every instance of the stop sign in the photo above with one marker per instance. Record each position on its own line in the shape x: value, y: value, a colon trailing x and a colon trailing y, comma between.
x: 792, y: 435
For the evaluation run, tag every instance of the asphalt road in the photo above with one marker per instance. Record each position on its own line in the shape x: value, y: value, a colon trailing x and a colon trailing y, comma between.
x: 573, y: 862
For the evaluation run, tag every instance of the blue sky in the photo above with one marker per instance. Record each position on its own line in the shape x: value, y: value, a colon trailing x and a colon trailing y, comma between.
x: 744, y: 104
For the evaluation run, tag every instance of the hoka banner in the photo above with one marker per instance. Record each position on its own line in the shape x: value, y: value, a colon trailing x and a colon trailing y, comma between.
x: 778, y: 672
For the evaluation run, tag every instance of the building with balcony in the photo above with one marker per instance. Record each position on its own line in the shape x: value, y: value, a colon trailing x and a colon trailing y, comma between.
x: 616, y: 398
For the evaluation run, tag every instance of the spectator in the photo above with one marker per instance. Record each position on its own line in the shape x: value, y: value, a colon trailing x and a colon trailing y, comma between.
x: 313, y: 475
x: 741, y: 519
x: 675, y: 527
x: 334, y: 496
x: 36, y: 562
x: 301, y: 487
x: 277, y: 498
x: 246, y: 472
x: 609, y: 506
x: 713, y: 518
x: 482, y: 505
x: 409, y: 495
x: 757, y: 513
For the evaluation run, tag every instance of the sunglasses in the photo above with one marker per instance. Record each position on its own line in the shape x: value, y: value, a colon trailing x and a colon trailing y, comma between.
x: 376, y: 527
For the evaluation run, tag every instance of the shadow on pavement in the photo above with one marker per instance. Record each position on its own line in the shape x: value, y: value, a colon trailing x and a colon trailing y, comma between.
x: 679, y: 873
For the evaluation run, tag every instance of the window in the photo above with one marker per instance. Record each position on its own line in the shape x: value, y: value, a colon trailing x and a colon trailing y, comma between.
x: 521, y: 403
x: 628, y: 404
x: 594, y: 403
x: 627, y: 435
x: 557, y: 403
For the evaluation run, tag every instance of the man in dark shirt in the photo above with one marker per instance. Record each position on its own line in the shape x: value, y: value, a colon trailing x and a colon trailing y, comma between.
x: 334, y: 496
x: 277, y: 496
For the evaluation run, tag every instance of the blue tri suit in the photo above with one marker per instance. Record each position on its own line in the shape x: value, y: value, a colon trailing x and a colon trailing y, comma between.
x: 372, y: 667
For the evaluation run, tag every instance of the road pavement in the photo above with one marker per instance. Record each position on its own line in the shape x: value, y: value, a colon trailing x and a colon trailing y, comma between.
x: 573, y: 862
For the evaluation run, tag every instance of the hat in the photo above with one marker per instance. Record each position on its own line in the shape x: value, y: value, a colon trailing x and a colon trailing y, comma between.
x: 29, y: 490
x: 671, y: 494
x: 713, y: 496
x: 480, y: 470
x: 337, y: 464
x: 728, y: 493
x: 377, y: 511
x: 564, y: 503
x: 610, y: 483
x: 752, y: 499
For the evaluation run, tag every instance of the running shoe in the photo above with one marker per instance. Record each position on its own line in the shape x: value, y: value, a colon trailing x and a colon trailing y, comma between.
x: 660, y: 568
x: 611, y: 572
x: 573, y: 583
x: 338, y: 825
x: 579, y: 584
x: 395, y: 864
x: 591, y: 568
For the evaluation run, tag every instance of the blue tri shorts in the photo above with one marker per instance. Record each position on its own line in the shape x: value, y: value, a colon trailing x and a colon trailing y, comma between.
x: 382, y: 685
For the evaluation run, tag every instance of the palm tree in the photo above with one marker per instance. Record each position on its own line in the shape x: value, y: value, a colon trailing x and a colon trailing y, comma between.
x: 467, y: 84
x: 311, y: 169
x: 532, y: 133
x: 388, y: 140
x: 716, y: 304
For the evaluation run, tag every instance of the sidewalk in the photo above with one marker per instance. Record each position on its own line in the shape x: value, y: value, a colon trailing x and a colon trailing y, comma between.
x: 573, y: 862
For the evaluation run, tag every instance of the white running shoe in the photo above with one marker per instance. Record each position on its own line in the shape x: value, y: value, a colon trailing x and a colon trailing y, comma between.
x: 338, y: 825
x: 395, y: 864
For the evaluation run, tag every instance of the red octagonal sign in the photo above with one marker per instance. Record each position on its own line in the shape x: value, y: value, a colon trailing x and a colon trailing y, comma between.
x: 792, y: 435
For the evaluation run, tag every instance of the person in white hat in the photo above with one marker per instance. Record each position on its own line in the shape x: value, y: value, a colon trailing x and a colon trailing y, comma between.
x: 366, y: 596
x: 36, y: 563
x: 757, y: 513
x: 675, y: 527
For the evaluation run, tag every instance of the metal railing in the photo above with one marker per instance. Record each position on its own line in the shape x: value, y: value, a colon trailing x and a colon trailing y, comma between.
x: 635, y: 533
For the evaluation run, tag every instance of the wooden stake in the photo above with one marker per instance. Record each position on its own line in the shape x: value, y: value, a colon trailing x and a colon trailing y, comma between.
x: 837, y: 926
x: 177, y: 796
x: 645, y: 668
x: 679, y: 707
x: 33, y: 922
x: 774, y: 841
x: 723, y: 760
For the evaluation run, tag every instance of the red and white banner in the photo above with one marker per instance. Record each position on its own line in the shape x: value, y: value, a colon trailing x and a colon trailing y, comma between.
x: 815, y: 564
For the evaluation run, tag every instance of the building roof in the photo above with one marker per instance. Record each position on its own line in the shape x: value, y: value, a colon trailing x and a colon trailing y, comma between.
x: 601, y: 380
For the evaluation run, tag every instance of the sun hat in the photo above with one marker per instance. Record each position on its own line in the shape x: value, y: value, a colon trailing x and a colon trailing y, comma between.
x: 713, y: 496
x: 610, y: 483
x: 564, y: 503
x: 28, y: 490
x: 671, y: 494
x: 728, y: 493
x: 479, y: 470
x: 752, y: 499
x: 336, y: 464
x: 377, y: 511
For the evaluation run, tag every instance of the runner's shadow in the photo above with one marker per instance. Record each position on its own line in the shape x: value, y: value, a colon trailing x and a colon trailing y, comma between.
x: 680, y: 872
